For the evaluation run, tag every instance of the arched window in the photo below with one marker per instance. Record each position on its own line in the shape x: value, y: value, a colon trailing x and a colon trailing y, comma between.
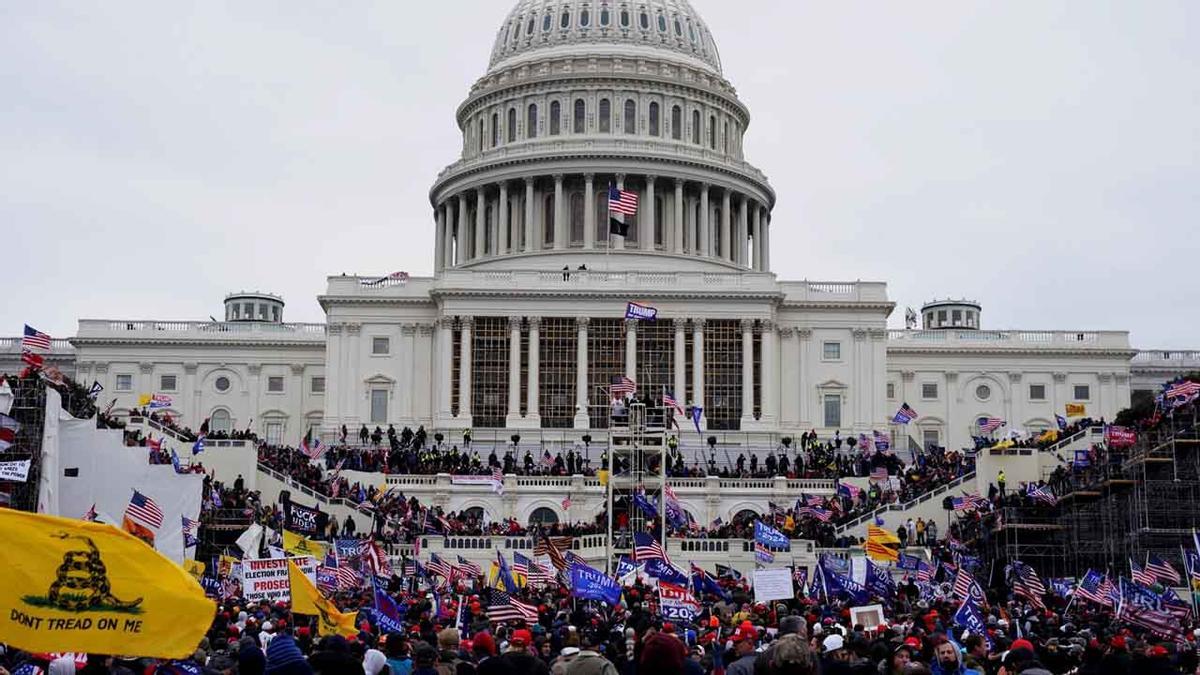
x: 678, y: 28
x: 624, y: 18
x: 604, y: 16
x: 712, y: 132
x: 565, y: 21
x: 481, y: 136
x: 601, y: 215
x: 555, y: 118
x: 546, y: 21
x: 580, y: 116
x: 220, y: 421
x: 512, y: 125
x: 548, y: 221
x: 676, y: 123
x: 576, y: 218
x: 585, y: 18
x: 662, y: 23
x: 474, y: 513
x: 696, y: 127
x: 543, y: 516
x: 644, y: 21
x: 726, y: 130
x: 530, y: 25
x: 746, y: 516
x: 531, y: 122
x: 495, y: 130
x: 605, y: 117
x: 654, y: 122
x: 630, y: 117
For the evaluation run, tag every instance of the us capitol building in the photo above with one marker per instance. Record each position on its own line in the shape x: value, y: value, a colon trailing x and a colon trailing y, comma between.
x: 520, y: 327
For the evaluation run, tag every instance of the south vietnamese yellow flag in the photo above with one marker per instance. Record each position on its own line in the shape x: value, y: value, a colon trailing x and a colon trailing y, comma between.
x: 881, y: 544
x: 300, y: 545
x: 306, y: 599
x: 75, y: 586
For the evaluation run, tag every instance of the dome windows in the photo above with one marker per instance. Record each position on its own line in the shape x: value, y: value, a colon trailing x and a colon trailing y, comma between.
x: 678, y: 28
x: 530, y: 27
x: 712, y: 132
x: 696, y: 127
x: 655, y: 122
x: 644, y: 21
x: 676, y: 123
x: 604, y: 120
x: 512, y: 125
x: 662, y: 23
x: 604, y: 17
x: 495, y: 130
x: 555, y: 118
x: 691, y: 31
x: 546, y: 22
x: 580, y: 117
x: 630, y: 116
x: 531, y: 121
x: 585, y: 18
x: 624, y: 18
x: 565, y: 21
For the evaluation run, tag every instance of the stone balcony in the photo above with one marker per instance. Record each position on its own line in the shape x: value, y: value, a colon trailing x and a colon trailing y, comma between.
x: 116, y: 330
x: 1009, y: 339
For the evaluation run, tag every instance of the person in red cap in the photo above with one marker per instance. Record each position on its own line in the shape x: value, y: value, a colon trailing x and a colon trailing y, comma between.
x: 744, y: 640
x: 518, y: 656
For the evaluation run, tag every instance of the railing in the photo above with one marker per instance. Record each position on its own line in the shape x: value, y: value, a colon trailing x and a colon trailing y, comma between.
x: 138, y: 420
x: 870, y: 516
x: 56, y: 344
x: 1063, y: 339
x: 1178, y: 355
x: 307, y: 491
x: 94, y: 328
x: 558, y: 483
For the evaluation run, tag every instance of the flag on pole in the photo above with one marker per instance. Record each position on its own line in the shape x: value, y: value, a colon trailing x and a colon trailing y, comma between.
x: 35, y: 339
x: 621, y: 204
x: 905, y: 414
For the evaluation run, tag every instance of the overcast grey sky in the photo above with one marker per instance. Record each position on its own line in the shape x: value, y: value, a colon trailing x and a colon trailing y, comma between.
x: 1038, y: 156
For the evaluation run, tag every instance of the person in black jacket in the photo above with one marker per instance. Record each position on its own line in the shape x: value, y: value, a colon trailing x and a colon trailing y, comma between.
x: 519, y: 658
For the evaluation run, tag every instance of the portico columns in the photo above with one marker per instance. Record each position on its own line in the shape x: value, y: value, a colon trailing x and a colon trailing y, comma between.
x: 439, y: 239
x: 464, y: 242
x: 726, y: 237
x: 503, y: 245
x: 747, y: 373
x: 766, y: 231
x: 448, y: 233
x: 647, y: 217
x: 618, y: 243
x: 445, y: 328
x: 677, y: 222
x: 631, y: 349
x: 589, y: 211
x: 560, y: 225
x: 698, y: 368
x: 464, y: 371
x: 705, y: 232
x: 533, y: 415
x: 770, y: 375
x: 514, y: 371
x: 480, y: 222
x: 582, y: 420
x: 528, y: 244
x: 758, y: 239
x: 742, y: 237
x: 680, y: 393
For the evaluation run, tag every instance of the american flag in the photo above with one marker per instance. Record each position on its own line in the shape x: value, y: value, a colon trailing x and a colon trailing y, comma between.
x: 880, y: 474
x: 394, y: 276
x: 622, y: 386
x: 622, y: 201
x: 924, y: 573
x: 566, y: 503
x: 882, y: 441
x: 28, y: 669
x: 905, y: 414
x: 989, y: 424
x: 469, y: 568
x: 348, y: 578
x: 1095, y: 587
x: 498, y: 481
x: 1142, y: 576
x: 502, y: 607
x: 762, y: 553
x: 1162, y: 569
x: 1027, y: 584
x: 439, y: 567
x: 670, y: 402
x: 544, y: 545
x: 646, y: 547
x: 190, y: 527
x: 967, y: 502
x: 32, y: 359
x: 965, y: 586
x: 1041, y: 494
x: 144, y: 510
x: 35, y: 339
x: 539, y: 575
x: 313, y: 448
x: 377, y: 559
x: 1183, y: 389
x: 817, y: 512
x: 1161, y: 624
x: 813, y: 500
x: 520, y: 567
x: 547, y: 459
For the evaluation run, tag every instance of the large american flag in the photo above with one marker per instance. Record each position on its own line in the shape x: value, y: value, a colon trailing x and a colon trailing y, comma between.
x: 989, y: 424
x: 1180, y: 390
x: 502, y: 607
x: 144, y: 510
x: 539, y: 575
x: 1162, y: 569
x: 545, y: 545
x: 965, y: 586
x: 817, y: 512
x: 35, y: 339
x: 1095, y: 587
x: 471, y: 569
x: 904, y: 415
x: 646, y: 547
x: 520, y: 566
x: 1027, y: 584
x: 1142, y: 576
x: 348, y: 578
x: 670, y: 402
x: 622, y: 386
x: 1041, y: 494
x: 622, y: 201
x: 439, y: 567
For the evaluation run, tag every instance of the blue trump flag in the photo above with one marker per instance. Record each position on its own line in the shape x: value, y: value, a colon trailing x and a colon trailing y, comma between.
x: 769, y: 536
x: 703, y: 582
x: 880, y: 582
x: 625, y: 566
x: 833, y: 583
x: 968, y: 616
x: 664, y: 571
x: 592, y: 584
x: 697, y: 413
x: 645, y: 505
x: 908, y: 562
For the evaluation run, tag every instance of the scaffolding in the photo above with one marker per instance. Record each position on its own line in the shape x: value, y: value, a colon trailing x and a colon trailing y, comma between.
x: 636, y: 463
x: 29, y: 410
x: 1164, y: 502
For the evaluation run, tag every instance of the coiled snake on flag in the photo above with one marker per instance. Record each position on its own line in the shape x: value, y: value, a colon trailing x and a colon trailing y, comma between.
x: 81, y: 581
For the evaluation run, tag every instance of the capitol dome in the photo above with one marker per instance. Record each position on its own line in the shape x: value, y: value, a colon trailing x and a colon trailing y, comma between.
x: 650, y: 26
x: 581, y: 96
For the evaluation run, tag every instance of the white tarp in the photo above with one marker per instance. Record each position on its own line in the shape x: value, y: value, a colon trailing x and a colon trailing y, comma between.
x: 105, y: 473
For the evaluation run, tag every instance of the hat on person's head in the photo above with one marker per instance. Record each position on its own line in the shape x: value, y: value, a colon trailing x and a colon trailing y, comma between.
x: 521, y: 638
x: 1118, y: 642
x: 448, y: 638
x: 484, y: 642
x: 745, y: 633
x: 817, y: 629
x: 1158, y: 651
x: 284, y: 657
x: 913, y: 641
x: 833, y: 643
x: 569, y: 651
x: 714, y: 622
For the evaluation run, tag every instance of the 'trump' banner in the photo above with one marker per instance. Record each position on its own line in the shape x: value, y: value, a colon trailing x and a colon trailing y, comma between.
x: 640, y: 312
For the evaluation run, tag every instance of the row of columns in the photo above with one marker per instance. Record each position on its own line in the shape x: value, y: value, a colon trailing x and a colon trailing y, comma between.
x: 458, y: 240
x: 532, y: 417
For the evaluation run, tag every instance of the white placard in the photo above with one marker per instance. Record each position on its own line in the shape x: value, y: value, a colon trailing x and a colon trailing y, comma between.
x: 869, y: 616
x: 773, y: 584
x: 267, y: 578
x: 16, y: 472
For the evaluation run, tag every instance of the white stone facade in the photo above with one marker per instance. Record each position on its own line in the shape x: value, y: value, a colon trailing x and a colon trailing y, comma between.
x: 529, y: 290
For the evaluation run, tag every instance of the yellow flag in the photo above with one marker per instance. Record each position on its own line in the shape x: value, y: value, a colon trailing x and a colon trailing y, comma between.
x: 194, y: 568
x: 881, y: 544
x: 1076, y: 410
x: 301, y: 546
x: 306, y: 599
x: 74, y: 586
x: 144, y: 400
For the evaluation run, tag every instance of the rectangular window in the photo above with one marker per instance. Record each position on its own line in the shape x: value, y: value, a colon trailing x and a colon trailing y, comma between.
x: 891, y: 390
x: 124, y: 383
x: 956, y: 317
x: 379, y: 405
x: 929, y: 390
x: 831, y: 351
x: 166, y: 383
x: 318, y: 385
x: 274, y: 433
x: 930, y: 438
x: 380, y: 345
x: 833, y: 411
x: 1083, y: 392
x: 275, y: 384
x: 1037, y: 392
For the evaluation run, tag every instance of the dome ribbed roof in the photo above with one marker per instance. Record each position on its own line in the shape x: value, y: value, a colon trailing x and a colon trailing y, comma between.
x: 668, y: 25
